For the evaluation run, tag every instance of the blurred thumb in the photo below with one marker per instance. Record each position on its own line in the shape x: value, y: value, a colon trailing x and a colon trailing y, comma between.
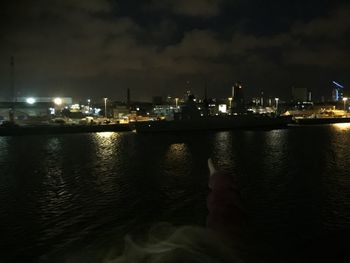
x: 211, y: 166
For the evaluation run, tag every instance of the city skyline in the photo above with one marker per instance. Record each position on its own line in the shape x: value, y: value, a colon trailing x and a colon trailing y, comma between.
x: 101, y: 48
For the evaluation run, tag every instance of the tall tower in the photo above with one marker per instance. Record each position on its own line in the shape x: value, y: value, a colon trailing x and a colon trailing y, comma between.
x: 309, y: 96
x: 238, y: 98
x: 128, y: 98
x: 205, y: 101
x: 12, y: 108
x: 262, y: 99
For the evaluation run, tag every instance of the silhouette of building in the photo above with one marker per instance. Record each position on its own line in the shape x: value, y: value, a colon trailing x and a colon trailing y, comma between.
x: 238, y: 103
x: 299, y: 94
x: 157, y: 100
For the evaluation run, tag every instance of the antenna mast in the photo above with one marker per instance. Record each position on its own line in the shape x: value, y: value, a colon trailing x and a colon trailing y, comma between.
x: 12, y: 108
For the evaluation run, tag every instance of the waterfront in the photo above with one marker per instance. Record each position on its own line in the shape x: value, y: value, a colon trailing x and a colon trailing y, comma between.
x: 64, y: 194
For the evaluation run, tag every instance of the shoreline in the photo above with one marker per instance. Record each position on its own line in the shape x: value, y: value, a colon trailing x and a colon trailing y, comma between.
x: 62, y: 129
x: 147, y: 127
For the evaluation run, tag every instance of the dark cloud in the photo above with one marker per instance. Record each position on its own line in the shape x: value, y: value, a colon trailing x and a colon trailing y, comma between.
x: 101, y: 47
x: 197, y: 8
x: 323, y: 42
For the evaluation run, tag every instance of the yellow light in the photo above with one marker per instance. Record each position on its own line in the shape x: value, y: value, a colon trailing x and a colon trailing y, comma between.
x: 342, y: 126
x: 105, y: 143
x: 105, y: 134
x: 176, y: 154
x: 57, y: 101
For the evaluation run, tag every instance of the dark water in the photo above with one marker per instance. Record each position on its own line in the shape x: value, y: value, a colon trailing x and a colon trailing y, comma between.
x: 66, y: 195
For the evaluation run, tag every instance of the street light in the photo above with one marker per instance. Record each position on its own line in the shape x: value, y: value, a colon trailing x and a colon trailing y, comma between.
x: 176, y: 102
x: 105, y: 99
x: 345, y: 99
x: 30, y: 101
x: 277, y: 99
x: 57, y: 101
x: 88, y: 101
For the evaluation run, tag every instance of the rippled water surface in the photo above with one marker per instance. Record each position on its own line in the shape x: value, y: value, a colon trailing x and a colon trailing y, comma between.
x: 64, y: 194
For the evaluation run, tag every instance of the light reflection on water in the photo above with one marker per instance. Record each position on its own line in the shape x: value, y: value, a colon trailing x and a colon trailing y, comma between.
x: 55, y: 193
x: 3, y: 147
x: 222, y: 150
x: 105, y: 145
x: 4, y: 180
x: 53, y: 159
x: 177, y: 152
x: 90, y: 183
x: 336, y: 204
x: 341, y: 126
x: 336, y: 179
x: 274, y: 153
x: 54, y: 145
x: 107, y: 160
x: 107, y: 135
x: 177, y: 160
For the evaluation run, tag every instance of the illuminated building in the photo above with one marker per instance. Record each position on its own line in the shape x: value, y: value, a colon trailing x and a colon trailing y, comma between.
x: 238, y: 105
x: 337, y: 93
x: 26, y: 108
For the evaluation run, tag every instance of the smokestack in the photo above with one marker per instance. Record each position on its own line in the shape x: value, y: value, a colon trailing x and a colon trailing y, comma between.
x: 128, y: 98
x: 12, y: 109
x: 309, y: 96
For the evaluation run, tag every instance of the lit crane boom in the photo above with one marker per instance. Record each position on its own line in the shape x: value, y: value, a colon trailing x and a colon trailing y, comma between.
x: 337, y: 84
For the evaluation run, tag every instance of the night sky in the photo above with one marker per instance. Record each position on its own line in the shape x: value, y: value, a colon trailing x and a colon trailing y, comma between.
x: 98, y: 48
